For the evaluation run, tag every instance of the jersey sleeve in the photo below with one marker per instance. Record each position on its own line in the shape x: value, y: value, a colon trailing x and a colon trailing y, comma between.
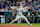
x: 22, y: 8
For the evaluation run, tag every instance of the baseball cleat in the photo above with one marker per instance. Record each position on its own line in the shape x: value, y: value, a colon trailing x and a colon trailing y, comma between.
x: 29, y: 24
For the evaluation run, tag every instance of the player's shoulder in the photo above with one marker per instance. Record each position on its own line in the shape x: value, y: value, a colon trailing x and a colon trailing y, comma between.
x: 22, y: 8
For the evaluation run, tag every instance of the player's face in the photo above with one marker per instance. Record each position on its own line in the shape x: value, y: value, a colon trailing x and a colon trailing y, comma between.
x: 18, y: 6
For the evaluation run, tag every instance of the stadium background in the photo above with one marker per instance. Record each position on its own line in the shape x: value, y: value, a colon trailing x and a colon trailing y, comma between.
x: 7, y: 15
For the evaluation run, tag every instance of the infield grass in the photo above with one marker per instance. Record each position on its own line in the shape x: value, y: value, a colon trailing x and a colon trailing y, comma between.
x: 24, y: 24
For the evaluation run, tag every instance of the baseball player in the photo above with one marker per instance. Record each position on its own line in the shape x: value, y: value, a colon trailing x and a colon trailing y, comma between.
x: 19, y: 15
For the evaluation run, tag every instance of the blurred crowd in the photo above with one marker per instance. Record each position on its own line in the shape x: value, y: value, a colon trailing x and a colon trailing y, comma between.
x: 9, y: 6
x: 5, y: 6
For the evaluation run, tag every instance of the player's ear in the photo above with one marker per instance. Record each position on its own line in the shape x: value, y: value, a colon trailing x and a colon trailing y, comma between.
x: 25, y: 8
